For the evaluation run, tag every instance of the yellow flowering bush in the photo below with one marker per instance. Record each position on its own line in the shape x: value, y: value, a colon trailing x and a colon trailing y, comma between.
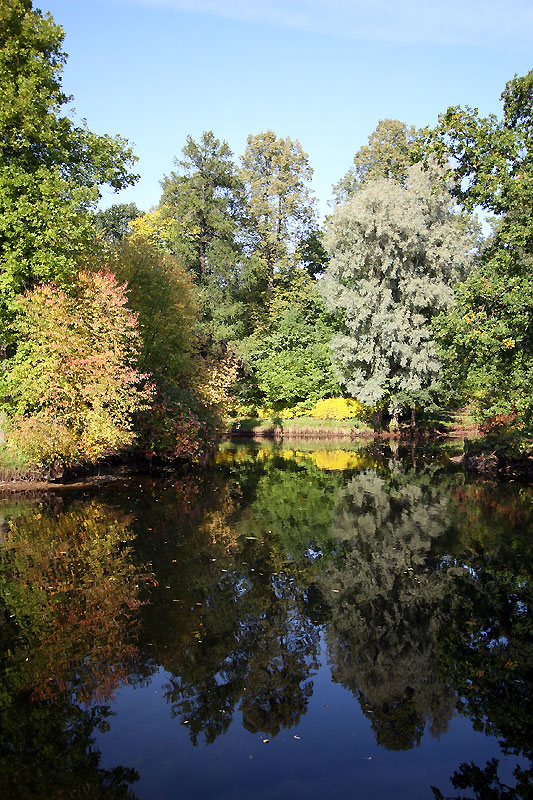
x: 338, y: 408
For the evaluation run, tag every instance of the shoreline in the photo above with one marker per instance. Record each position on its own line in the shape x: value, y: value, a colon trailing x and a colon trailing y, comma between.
x: 490, y: 466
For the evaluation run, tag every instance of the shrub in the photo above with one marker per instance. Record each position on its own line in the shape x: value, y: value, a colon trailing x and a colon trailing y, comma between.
x: 72, y: 387
x: 338, y: 408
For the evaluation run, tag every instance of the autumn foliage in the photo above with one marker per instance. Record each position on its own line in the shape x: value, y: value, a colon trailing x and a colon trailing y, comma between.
x: 73, y: 386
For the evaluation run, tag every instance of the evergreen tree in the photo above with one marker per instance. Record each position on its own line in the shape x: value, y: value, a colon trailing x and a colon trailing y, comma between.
x: 202, y: 219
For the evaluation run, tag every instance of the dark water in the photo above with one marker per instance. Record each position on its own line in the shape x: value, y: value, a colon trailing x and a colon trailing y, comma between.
x: 286, y: 624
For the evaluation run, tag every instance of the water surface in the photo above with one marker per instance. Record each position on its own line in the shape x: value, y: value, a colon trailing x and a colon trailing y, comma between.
x: 292, y: 622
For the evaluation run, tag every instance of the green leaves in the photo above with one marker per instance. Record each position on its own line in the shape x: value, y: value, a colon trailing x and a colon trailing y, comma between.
x: 395, y: 254
x: 50, y: 169
x: 486, y: 339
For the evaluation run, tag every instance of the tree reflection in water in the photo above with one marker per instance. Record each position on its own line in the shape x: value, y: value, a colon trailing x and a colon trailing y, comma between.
x: 486, y: 649
x: 414, y: 577
x: 253, y: 645
x: 387, y: 602
x: 70, y: 596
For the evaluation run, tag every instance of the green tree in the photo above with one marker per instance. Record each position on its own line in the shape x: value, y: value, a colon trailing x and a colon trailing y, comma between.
x: 288, y: 352
x: 396, y: 252
x: 202, y: 220
x: 50, y: 168
x: 487, y: 335
x: 114, y: 223
x: 276, y: 172
x: 164, y: 297
x: 387, y: 155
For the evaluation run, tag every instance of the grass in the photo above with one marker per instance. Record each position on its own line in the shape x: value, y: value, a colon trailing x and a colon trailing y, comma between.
x: 13, y: 466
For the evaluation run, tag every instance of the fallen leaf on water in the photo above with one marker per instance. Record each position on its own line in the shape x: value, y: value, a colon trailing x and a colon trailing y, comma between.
x: 265, y: 740
x: 296, y: 737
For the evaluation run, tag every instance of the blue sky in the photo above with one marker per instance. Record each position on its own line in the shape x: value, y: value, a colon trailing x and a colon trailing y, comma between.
x: 320, y: 72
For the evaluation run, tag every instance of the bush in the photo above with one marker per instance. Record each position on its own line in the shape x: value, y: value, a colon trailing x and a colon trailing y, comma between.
x: 72, y: 387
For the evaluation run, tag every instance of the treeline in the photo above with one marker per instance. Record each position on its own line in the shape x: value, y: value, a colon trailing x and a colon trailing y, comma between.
x: 142, y: 331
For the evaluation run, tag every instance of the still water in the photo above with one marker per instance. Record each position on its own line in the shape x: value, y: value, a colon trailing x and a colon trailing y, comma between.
x: 291, y: 622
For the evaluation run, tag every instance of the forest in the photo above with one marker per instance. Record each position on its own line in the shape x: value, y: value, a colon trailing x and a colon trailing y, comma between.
x: 127, y: 332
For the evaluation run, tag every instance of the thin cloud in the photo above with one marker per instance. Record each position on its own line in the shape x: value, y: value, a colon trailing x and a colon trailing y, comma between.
x: 457, y: 22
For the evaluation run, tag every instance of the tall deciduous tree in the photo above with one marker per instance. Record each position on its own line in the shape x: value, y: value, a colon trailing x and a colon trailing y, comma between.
x: 50, y: 168
x: 396, y: 253
x: 276, y: 172
x: 487, y: 338
x: 387, y: 155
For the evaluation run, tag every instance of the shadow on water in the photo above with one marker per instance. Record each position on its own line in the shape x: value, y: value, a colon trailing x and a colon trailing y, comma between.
x: 407, y: 582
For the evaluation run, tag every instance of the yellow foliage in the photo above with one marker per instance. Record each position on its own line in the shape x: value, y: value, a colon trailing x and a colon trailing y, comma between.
x: 156, y: 227
x: 217, y: 378
x: 340, y: 459
x: 337, y: 408
x: 330, y: 460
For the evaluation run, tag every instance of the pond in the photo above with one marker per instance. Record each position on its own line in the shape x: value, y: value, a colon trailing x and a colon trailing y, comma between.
x: 293, y: 621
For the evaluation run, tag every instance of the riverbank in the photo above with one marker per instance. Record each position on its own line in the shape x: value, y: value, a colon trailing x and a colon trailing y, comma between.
x: 299, y: 427
x: 489, y: 465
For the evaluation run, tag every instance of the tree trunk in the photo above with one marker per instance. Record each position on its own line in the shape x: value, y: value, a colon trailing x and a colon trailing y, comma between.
x: 377, y: 418
x: 395, y: 420
x: 413, y: 419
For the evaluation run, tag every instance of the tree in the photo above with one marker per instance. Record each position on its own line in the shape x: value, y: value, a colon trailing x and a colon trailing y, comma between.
x: 50, y: 168
x: 204, y: 198
x: 288, y: 353
x: 487, y: 336
x: 387, y: 155
x: 164, y: 298
x: 396, y: 252
x: 114, y: 223
x: 202, y: 220
x: 72, y: 387
x: 276, y: 172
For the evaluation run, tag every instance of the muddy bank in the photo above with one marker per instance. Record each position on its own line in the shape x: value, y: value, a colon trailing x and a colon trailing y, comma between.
x: 492, y: 465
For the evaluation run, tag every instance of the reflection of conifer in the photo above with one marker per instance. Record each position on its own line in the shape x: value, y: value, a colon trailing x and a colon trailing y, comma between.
x: 386, y: 603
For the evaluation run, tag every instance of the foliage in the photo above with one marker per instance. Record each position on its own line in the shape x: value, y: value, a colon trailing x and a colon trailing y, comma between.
x: 191, y: 388
x: 202, y: 219
x: 288, y: 353
x: 276, y: 172
x: 163, y: 297
x: 114, y: 223
x: 396, y: 252
x: 338, y: 408
x: 486, y: 338
x: 174, y: 427
x: 50, y: 169
x: 387, y: 155
x: 74, y: 373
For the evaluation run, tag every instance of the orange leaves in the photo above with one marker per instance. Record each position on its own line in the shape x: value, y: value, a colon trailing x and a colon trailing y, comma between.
x: 74, y: 381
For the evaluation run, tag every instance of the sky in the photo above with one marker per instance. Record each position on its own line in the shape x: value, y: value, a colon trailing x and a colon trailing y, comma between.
x: 324, y: 73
